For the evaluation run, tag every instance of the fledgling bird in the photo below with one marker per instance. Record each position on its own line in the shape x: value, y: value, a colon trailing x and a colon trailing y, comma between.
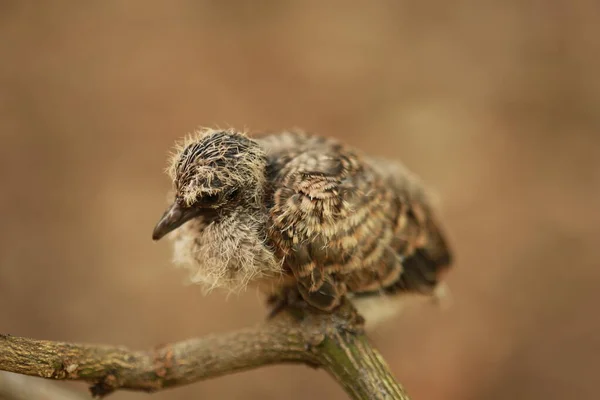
x: 297, y: 212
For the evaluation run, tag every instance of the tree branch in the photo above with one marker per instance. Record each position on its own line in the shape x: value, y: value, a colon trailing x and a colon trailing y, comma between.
x: 335, y: 342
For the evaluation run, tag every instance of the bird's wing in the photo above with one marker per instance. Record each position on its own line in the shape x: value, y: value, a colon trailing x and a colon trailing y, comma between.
x: 418, y: 236
x: 314, y: 219
x: 341, y: 223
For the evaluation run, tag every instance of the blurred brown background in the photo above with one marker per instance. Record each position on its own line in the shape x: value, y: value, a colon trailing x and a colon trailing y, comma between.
x: 494, y: 104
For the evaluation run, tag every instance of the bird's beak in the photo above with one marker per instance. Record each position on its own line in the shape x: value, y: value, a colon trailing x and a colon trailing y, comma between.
x: 173, y: 218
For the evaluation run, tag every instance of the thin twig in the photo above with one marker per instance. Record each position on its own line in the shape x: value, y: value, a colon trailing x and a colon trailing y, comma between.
x: 335, y: 342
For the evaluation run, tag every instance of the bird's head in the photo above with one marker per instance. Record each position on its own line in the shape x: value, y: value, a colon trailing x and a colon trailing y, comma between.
x: 212, y: 170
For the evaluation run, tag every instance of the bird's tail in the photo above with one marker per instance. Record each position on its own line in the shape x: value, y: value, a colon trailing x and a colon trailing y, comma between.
x: 424, y: 269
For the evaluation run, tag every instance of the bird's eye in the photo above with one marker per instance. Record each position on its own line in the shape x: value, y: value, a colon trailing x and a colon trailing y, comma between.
x: 210, y: 198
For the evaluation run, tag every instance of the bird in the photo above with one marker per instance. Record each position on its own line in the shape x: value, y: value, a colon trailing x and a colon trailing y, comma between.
x: 302, y: 216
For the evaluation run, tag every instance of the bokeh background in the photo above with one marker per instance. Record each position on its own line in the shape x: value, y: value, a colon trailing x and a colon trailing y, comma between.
x: 494, y: 104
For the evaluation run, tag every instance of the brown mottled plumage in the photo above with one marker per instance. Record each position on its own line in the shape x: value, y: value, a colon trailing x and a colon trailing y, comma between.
x: 296, y: 211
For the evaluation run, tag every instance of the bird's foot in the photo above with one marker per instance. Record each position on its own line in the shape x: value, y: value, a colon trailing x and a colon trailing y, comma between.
x: 288, y: 299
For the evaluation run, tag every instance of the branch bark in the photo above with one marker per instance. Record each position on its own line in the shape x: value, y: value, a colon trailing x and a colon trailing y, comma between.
x: 335, y: 342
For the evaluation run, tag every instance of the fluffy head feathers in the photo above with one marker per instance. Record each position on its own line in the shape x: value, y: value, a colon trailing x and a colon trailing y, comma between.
x: 213, y: 162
